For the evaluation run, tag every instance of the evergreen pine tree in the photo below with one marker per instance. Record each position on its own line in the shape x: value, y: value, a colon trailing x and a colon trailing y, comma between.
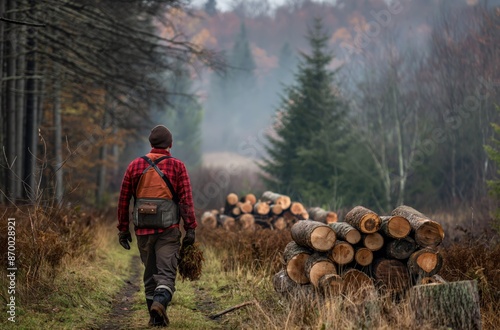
x: 307, y: 154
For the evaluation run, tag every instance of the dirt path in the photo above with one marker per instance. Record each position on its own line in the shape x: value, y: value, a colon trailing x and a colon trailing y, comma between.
x: 121, y: 310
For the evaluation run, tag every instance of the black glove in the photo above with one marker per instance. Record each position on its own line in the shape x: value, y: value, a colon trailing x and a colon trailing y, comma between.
x: 188, y: 238
x: 124, y: 237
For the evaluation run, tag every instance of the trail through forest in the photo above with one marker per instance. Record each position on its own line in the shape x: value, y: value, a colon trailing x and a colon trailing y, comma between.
x: 123, y: 302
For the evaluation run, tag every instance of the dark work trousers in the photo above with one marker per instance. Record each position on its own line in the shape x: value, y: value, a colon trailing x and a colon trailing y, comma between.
x: 160, y: 255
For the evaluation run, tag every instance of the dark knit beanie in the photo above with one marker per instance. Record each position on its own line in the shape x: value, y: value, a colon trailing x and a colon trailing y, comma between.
x: 160, y: 137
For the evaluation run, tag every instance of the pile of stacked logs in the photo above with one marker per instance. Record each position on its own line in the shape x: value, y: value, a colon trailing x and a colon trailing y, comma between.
x: 365, y: 250
x: 272, y: 210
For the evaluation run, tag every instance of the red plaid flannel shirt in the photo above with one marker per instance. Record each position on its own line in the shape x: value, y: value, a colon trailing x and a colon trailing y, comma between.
x: 175, y: 170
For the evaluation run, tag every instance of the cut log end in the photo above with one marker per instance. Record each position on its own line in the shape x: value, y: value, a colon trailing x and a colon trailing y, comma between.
x: 370, y: 223
x: 398, y: 227
x: 319, y: 269
x: 295, y: 268
x: 363, y: 256
x: 342, y: 253
x: 430, y: 234
x: 232, y: 199
x: 323, y: 238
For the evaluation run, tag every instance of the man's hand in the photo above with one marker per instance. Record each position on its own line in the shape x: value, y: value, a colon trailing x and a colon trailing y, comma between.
x: 124, y: 238
x: 188, y: 238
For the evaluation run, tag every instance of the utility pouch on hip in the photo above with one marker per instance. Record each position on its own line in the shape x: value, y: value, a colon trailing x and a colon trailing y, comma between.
x: 155, y: 213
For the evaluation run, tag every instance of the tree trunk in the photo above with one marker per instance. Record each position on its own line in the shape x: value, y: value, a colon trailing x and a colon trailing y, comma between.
x: 400, y: 248
x: 395, y: 226
x: 295, y: 257
x: 313, y: 234
x: 20, y: 108
x: 453, y: 305
x: 275, y: 198
x: 58, y: 168
x: 363, y: 256
x: 342, y: 253
x: 319, y: 214
x: 425, y: 263
x: 346, y: 232
x: 318, y: 265
x: 363, y: 219
x: 392, y: 275
x: 427, y: 233
x: 373, y: 241
x: 101, y: 167
x: 3, y: 117
x: 11, y: 108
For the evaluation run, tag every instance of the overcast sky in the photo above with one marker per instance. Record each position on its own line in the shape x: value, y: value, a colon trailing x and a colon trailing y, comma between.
x: 224, y: 5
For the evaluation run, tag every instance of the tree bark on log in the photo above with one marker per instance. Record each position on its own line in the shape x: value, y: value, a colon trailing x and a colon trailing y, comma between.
x: 283, y: 200
x: 400, y: 248
x: 425, y: 263
x: 342, y: 253
x: 427, y: 233
x: 395, y: 226
x: 373, y: 241
x: 363, y: 219
x: 346, y: 232
x: 318, y: 265
x: 321, y: 215
x: 392, y: 275
x: 295, y: 257
x: 315, y: 235
x: 283, y: 284
x: 453, y: 305
x: 363, y: 256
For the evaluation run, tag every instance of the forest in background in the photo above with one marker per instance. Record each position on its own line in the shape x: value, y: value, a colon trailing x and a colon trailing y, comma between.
x: 83, y: 83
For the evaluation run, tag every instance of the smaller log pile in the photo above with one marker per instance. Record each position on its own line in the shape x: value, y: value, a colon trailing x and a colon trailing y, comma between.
x: 272, y: 210
x: 363, y: 252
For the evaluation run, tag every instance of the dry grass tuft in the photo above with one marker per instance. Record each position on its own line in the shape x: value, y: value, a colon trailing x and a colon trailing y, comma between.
x: 191, y: 263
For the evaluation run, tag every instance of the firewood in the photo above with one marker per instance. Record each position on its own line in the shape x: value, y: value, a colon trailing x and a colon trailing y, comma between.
x: 392, y: 275
x: 373, y: 241
x: 321, y: 215
x: 261, y: 208
x: 427, y: 233
x: 227, y: 222
x: 356, y: 284
x: 304, y: 215
x: 297, y: 208
x: 363, y: 219
x: 363, y: 256
x: 295, y: 257
x: 209, y: 219
x: 275, y: 198
x: 330, y: 285
x: 247, y: 222
x: 317, y: 265
x: 433, y: 279
x: 276, y: 209
x: 279, y: 223
x: 395, y: 226
x: 425, y: 262
x: 232, y: 199
x: 245, y: 207
x: 346, y: 232
x: 313, y: 234
x: 453, y: 305
x: 249, y: 198
x: 230, y: 205
x: 400, y: 248
x: 342, y: 253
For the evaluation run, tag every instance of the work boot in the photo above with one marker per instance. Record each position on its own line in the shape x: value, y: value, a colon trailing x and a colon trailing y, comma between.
x: 161, y: 299
x: 153, y: 320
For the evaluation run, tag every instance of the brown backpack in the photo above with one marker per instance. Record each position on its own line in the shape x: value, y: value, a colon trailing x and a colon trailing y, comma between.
x: 155, y: 200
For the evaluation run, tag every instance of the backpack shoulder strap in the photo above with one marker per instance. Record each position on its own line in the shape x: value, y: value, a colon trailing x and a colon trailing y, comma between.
x: 152, y: 164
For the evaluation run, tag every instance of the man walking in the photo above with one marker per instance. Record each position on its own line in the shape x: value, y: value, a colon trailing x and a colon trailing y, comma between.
x: 162, y: 194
